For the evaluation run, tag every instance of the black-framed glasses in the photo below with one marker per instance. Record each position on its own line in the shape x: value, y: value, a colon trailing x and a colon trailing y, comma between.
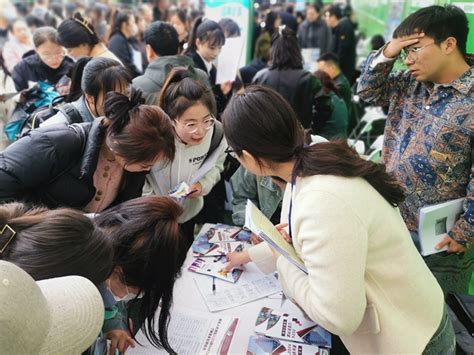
x: 231, y: 152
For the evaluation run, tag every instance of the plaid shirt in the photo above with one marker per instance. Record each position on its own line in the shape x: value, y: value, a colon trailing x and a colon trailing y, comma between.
x: 428, y: 139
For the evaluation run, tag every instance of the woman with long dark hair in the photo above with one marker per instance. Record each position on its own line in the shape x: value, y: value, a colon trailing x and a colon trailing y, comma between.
x: 287, y: 76
x: 148, y: 255
x: 124, y: 28
x: 365, y: 280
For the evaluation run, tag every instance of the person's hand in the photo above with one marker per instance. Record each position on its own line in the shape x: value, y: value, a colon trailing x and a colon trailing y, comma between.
x: 236, y: 258
x: 280, y: 227
x: 255, y: 239
x: 396, y: 45
x: 196, y: 190
x: 453, y: 246
x: 120, y: 340
x: 226, y: 87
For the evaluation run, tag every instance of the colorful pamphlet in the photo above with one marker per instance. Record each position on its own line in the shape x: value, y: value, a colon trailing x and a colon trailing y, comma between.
x: 213, y: 267
x: 256, y: 221
x: 218, y: 239
x: 180, y: 191
x: 260, y: 345
x: 284, y: 326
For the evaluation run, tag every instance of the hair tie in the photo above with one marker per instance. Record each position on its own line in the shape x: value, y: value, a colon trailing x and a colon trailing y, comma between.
x: 280, y: 29
x: 85, y: 24
x: 7, y: 227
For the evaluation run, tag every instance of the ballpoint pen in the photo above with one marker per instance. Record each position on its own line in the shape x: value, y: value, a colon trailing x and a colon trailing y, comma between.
x: 213, y: 285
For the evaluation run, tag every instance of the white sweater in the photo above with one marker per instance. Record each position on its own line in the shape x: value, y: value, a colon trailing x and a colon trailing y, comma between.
x: 187, y: 161
x: 366, y: 281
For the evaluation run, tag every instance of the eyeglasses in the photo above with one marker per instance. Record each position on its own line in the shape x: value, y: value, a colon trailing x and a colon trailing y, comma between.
x: 412, y: 53
x: 192, y: 127
x: 231, y: 152
x: 52, y: 56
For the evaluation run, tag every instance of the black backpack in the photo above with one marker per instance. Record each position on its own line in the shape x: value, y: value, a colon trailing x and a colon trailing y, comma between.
x: 26, y: 117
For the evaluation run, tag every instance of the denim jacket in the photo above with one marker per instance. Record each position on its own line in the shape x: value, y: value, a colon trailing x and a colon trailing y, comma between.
x: 262, y: 191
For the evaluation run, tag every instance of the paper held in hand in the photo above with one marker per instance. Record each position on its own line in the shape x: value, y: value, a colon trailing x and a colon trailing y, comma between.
x: 256, y: 221
x: 435, y: 221
x: 229, y: 60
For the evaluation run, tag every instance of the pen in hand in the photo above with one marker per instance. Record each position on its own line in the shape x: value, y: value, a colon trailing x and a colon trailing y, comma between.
x: 213, y: 285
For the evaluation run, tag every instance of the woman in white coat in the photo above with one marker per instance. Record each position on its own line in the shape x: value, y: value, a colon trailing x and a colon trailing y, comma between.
x: 366, y: 281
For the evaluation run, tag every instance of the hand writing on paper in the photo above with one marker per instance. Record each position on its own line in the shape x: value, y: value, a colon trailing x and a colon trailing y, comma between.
x: 226, y: 87
x: 195, y: 189
x: 236, y: 258
x: 453, y: 246
x: 119, y: 340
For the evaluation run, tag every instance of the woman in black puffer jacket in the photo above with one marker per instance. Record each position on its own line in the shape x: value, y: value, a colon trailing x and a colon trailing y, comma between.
x: 90, y: 166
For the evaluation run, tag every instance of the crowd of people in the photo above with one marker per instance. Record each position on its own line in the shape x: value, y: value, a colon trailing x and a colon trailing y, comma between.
x: 123, y: 110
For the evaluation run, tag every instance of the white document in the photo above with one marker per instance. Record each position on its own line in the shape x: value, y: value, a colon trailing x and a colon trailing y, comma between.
x: 310, y: 57
x: 208, y: 164
x: 225, y: 298
x: 137, y: 59
x: 229, y: 60
x: 435, y: 221
x: 191, y: 333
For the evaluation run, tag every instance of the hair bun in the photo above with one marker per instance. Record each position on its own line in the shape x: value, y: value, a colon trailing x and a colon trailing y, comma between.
x: 117, y: 107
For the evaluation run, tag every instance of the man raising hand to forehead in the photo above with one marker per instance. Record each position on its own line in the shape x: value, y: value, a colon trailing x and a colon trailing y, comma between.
x: 428, y: 139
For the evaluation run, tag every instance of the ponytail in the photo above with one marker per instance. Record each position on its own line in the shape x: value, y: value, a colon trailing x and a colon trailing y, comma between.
x: 119, y: 107
x: 205, y: 31
x: 338, y: 159
x: 75, y: 31
x: 150, y: 251
x: 75, y: 91
x: 182, y: 90
x: 138, y: 133
x: 53, y: 243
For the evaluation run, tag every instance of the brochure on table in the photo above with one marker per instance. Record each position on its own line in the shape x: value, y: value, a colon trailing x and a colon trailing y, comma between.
x: 220, y: 239
x: 191, y: 332
x: 256, y: 221
x: 435, y: 221
x: 214, y: 267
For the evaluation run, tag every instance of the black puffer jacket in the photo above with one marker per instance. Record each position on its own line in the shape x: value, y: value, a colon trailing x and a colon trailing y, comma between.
x: 55, y: 165
x: 32, y: 68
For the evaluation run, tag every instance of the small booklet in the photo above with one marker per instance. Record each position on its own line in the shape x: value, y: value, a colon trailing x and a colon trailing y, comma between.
x: 213, y: 267
x: 260, y: 345
x: 218, y: 239
x: 181, y: 191
x: 289, y: 327
x: 435, y: 221
x: 256, y: 221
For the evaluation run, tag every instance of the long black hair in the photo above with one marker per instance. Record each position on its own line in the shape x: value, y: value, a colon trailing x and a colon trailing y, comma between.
x: 150, y: 251
x: 54, y: 243
x: 119, y: 17
x: 286, y: 52
x: 207, y: 31
x: 273, y: 134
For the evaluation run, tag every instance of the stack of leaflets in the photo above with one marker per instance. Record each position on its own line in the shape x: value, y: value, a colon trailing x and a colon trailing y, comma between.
x: 283, y: 333
x: 213, y: 267
x: 256, y: 221
x: 220, y: 239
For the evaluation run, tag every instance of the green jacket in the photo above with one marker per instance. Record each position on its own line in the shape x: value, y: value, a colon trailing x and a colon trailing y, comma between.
x: 261, y: 190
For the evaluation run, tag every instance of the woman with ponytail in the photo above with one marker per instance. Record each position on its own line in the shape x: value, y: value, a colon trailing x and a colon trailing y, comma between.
x: 190, y: 105
x: 365, y: 280
x: 148, y: 255
x: 80, y: 39
x: 90, y: 166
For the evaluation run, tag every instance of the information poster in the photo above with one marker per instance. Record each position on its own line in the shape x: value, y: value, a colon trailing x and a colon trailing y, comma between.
x: 238, y: 10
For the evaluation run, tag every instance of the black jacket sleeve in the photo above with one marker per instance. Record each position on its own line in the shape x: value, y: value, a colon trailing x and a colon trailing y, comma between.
x: 35, y: 160
x: 122, y: 49
x: 20, y: 76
